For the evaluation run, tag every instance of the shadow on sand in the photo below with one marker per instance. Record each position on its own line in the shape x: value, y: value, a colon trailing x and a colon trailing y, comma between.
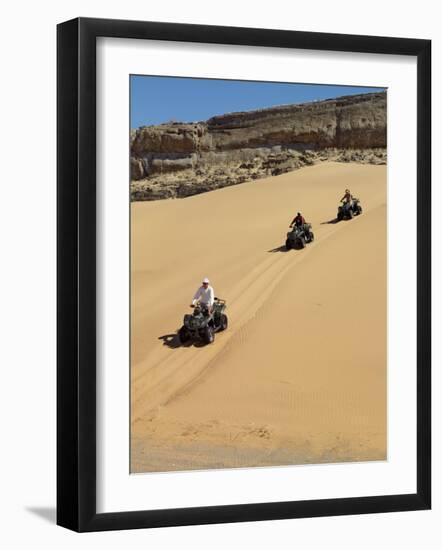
x: 173, y: 342
x: 330, y: 222
x: 170, y: 340
x: 281, y: 248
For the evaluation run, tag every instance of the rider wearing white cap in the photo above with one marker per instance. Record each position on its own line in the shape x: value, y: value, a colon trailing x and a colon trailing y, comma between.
x: 205, y: 294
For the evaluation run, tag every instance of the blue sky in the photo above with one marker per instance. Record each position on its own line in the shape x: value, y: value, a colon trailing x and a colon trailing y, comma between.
x: 155, y: 99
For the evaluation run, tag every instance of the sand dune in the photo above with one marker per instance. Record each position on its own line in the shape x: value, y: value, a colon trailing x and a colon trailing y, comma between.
x: 300, y: 375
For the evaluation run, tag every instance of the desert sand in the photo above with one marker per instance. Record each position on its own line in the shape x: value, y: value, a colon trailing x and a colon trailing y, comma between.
x: 300, y: 374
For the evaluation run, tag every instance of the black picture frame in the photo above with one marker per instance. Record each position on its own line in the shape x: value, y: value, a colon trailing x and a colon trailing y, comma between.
x: 76, y: 274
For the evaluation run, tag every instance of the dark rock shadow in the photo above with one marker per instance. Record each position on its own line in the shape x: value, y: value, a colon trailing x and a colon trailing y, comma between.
x: 46, y: 513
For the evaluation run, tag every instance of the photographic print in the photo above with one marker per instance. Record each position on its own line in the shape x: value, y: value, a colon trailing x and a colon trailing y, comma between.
x: 258, y: 274
x: 222, y: 262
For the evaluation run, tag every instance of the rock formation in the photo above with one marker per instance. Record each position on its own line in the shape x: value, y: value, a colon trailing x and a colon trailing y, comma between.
x: 182, y: 159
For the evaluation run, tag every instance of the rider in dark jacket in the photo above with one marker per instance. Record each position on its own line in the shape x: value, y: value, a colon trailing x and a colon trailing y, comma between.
x: 298, y: 220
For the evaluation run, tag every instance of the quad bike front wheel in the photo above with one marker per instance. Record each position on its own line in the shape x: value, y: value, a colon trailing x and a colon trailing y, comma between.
x: 300, y: 243
x: 224, y: 322
x: 208, y: 335
x: 183, y: 335
x: 288, y: 244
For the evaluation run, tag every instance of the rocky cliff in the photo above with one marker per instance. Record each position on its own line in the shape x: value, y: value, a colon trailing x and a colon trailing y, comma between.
x: 181, y: 159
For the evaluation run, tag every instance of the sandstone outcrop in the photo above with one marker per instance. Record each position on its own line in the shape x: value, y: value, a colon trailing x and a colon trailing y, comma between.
x: 182, y: 159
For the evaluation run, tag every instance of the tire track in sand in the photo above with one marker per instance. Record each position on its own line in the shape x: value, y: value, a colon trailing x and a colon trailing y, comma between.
x: 173, y: 371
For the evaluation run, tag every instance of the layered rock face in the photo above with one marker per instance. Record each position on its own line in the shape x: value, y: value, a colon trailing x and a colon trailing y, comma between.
x: 181, y: 159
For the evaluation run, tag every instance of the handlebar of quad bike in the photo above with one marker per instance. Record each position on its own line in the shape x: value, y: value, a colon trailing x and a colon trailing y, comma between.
x: 353, y: 199
x: 216, y: 300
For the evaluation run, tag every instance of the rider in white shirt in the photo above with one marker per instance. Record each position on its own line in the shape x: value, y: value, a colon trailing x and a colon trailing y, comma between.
x: 205, y: 294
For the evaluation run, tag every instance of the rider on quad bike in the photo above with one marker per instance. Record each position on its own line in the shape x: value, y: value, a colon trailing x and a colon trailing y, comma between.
x: 299, y: 221
x: 347, y: 199
x: 350, y: 206
x: 205, y: 295
x: 301, y: 233
x: 208, y: 316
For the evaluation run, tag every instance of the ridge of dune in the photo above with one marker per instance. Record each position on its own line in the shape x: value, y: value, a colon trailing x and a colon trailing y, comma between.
x: 178, y: 391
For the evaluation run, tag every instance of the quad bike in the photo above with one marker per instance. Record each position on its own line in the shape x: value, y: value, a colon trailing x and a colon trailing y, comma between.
x: 345, y: 213
x: 202, y: 324
x: 299, y: 236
